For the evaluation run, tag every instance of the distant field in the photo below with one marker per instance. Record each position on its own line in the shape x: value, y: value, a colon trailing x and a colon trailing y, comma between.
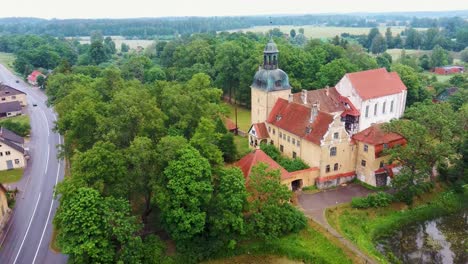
x: 319, y: 31
x: 396, y: 53
x: 133, y: 43
x: 7, y: 60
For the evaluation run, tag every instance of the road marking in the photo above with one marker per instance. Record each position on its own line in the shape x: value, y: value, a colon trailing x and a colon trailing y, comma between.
x: 48, y: 216
x: 27, y: 230
x: 47, y: 160
x: 46, y: 122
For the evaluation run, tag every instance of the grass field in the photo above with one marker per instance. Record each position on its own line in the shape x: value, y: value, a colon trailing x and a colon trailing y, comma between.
x: 364, y: 226
x: 242, y: 144
x: 7, y: 60
x: 243, y: 117
x: 9, y: 176
x: 310, y: 245
x: 118, y: 40
x: 21, y: 124
x: 312, y: 31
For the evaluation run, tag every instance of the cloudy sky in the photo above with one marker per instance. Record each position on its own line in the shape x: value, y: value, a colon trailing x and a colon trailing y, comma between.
x: 162, y: 8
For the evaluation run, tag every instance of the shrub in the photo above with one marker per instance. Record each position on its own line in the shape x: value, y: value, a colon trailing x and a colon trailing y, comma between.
x: 378, y: 199
x: 288, y: 164
x: 22, y: 129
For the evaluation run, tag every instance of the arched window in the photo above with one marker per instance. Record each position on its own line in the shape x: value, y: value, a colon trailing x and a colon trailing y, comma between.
x: 333, y: 151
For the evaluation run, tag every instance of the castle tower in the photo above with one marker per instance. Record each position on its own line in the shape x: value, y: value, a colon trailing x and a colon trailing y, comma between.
x: 269, y: 84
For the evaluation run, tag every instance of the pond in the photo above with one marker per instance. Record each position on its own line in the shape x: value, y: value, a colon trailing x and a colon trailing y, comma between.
x: 442, y: 240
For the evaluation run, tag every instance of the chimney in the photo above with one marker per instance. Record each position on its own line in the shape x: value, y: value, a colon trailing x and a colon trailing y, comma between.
x: 314, y: 112
x: 304, y: 96
x: 327, y: 90
x: 290, y: 98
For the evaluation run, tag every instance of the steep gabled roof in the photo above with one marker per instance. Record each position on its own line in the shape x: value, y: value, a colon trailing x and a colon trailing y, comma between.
x: 6, y: 90
x: 376, y: 83
x: 295, y: 118
x: 10, y: 135
x: 12, y: 106
x: 260, y: 130
x: 328, y: 98
x: 230, y: 125
x: 33, y: 76
x: 254, y: 158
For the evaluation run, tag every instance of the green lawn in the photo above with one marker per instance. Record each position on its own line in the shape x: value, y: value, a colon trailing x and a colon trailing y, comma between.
x: 312, y: 31
x: 243, y: 116
x: 364, y: 226
x: 9, y: 176
x: 7, y: 60
x: 18, y: 124
x: 242, y: 144
x: 440, y: 78
x: 308, y: 246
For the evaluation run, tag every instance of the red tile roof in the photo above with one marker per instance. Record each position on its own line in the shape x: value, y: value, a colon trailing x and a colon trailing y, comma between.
x: 261, y: 130
x: 295, y: 118
x: 252, y: 159
x: 375, y: 135
x: 33, y: 76
x: 376, y: 83
x: 230, y: 125
x: 329, y: 99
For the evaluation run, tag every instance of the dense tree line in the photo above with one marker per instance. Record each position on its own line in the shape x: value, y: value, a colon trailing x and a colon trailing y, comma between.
x: 148, y: 158
x: 449, y: 37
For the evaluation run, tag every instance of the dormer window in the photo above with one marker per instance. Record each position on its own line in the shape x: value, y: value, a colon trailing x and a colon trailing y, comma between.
x: 278, y: 83
x: 308, y: 130
x: 278, y: 117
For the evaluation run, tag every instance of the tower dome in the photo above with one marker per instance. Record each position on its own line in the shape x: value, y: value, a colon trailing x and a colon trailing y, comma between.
x: 270, y: 77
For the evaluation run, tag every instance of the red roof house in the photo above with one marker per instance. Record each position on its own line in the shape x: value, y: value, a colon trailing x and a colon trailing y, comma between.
x: 376, y: 136
x: 376, y: 83
x: 32, y: 78
x: 296, y: 119
x: 254, y: 158
x: 449, y: 70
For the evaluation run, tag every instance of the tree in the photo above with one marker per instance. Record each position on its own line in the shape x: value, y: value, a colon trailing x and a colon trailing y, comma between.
x: 413, y: 39
x: 332, y: 72
x: 155, y: 73
x: 41, y: 81
x: 389, y: 38
x: 410, y: 78
x: 103, y: 168
x: 124, y: 47
x: 464, y: 55
x: 378, y: 44
x: 269, y: 212
x: 142, y: 167
x: 109, y: 46
x: 187, y: 194
x: 439, y: 57
x: 206, y: 141
x: 93, y: 229
x: 301, y: 31
x: 226, y: 220
x: 292, y: 33
x: 97, y: 53
x: 370, y: 37
x: 228, y: 58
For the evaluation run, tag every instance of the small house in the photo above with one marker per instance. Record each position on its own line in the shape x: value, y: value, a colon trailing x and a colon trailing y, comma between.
x: 32, y: 78
x: 446, y: 70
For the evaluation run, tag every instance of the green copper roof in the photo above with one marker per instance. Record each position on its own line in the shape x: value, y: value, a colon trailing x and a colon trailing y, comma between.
x: 271, y: 80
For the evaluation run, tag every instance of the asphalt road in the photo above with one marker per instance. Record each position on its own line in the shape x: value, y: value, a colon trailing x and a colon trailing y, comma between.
x: 29, y: 231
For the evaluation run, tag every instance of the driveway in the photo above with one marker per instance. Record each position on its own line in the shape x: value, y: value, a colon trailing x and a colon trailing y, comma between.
x: 314, y: 205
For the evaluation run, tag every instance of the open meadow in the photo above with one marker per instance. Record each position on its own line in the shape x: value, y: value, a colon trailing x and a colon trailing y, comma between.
x: 133, y: 43
x: 313, y: 31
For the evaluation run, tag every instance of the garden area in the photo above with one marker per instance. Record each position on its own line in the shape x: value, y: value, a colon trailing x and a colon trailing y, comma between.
x: 10, y: 176
x: 18, y: 124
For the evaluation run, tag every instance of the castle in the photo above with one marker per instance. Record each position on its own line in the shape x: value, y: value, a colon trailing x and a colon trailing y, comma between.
x: 336, y: 130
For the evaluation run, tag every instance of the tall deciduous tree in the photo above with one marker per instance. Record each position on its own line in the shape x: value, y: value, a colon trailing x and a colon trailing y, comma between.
x: 188, y: 193
x: 269, y: 213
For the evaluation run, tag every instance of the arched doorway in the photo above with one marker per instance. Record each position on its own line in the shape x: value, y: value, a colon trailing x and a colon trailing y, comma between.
x: 296, y: 185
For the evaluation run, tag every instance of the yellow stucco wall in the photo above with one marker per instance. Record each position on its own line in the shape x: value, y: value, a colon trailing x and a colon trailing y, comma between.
x: 3, y: 206
x: 15, y: 156
x: 307, y: 176
x: 19, y: 97
x: 262, y: 102
x: 367, y: 173
x: 345, y: 151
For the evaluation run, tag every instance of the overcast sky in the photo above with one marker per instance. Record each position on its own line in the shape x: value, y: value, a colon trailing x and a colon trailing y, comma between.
x: 162, y: 8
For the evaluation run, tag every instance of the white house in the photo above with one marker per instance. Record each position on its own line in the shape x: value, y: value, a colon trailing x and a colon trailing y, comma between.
x: 380, y: 96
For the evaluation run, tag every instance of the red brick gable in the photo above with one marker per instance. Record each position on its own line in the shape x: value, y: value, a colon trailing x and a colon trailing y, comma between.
x: 376, y: 83
x: 257, y: 156
x: 295, y: 118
